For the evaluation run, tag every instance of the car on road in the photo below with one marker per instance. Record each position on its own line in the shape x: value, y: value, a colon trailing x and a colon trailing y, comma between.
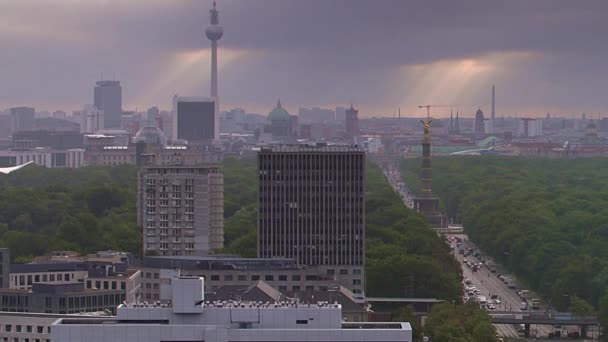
x: 497, y: 301
x: 491, y: 307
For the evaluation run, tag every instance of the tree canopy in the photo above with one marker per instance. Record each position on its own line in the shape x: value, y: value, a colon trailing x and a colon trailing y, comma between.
x: 545, y: 220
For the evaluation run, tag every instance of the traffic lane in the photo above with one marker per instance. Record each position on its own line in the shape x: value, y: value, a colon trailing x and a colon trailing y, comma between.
x: 489, y: 284
x: 510, y: 300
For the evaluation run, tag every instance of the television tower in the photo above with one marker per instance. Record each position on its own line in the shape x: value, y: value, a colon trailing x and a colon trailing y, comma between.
x: 493, y: 110
x: 214, y: 32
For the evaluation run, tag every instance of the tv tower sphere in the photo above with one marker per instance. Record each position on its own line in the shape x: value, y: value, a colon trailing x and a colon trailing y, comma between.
x: 214, y: 31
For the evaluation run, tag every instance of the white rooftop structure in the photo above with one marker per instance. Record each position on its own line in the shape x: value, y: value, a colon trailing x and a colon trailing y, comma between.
x: 190, y: 318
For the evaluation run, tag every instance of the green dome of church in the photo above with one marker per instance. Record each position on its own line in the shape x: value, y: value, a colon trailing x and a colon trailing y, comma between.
x: 278, y: 114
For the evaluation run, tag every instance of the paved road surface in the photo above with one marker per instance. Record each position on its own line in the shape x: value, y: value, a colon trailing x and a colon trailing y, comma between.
x: 488, y: 283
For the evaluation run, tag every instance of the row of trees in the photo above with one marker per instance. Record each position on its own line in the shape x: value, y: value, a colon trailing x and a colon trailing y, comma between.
x: 84, y: 210
x: 545, y: 220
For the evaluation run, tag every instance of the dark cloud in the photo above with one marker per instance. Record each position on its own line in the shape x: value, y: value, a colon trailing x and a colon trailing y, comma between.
x: 309, y: 52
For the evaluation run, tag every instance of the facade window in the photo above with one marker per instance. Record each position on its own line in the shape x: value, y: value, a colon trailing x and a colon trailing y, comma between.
x: 343, y: 271
x: 296, y: 288
x: 296, y: 277
x: 156, y: 275
x: 331, y: 272
x: 255, y: 277
x: 242, y: 277
x: 357, y: 271
x: 228, y: 277
x: 269, y: 277
x: 282, y: 277
x: 215, y: 277
x: 310, y: 288
x: 356, y: 281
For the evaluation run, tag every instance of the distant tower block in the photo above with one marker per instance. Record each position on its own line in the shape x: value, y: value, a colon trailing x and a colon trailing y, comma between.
x: 214, y: 32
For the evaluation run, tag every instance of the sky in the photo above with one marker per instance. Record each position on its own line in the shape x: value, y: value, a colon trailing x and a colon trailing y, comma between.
x: 380, y: 55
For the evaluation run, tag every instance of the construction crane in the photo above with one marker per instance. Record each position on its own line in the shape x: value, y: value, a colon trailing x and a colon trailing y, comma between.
x: 428, y: 109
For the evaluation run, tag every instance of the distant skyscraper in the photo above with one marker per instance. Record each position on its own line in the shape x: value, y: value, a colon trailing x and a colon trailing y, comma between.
x: 479, y: 123
x: 22, y: 119
x: 194, y: 119
x: 92, y: 119
x: 493, y: 110
x: 214, y: 32
x: 340, y: 114
x: 107, y: 96
x: 181, y: 207
x: 352, y: 122
x: 311, y: 206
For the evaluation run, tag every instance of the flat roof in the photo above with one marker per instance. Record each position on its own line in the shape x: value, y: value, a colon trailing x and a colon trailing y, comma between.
x: 298, y: 148
x: 404, y: 300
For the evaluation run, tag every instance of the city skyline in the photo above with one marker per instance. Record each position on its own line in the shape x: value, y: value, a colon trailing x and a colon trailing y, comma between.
x: 542, y: 56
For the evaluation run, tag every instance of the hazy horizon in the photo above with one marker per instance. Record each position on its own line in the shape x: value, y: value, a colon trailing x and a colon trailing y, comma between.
x: 543, y: 56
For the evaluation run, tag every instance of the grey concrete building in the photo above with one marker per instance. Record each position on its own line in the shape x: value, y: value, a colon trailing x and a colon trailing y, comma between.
x: 22, y: 119
x: 107, y: 96
x: 181, y: 207
x: 61, y: 298
x: 311, y: 207
x: 33, y: 327
x: 5, y: 264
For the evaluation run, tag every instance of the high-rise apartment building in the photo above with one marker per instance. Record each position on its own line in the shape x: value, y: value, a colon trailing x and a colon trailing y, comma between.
x: 352, y: 122
x: 195, y: 119
x: 92, y: 119
x: 22, y: 119
x: 181, y: 207
x: 107, y: 96
x: 311, y: 205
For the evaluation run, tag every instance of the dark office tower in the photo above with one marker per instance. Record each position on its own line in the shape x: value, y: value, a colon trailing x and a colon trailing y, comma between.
x: 480, y: 129
x: 5, y: 263
x: 195, y: 120
x: 311, y: 205
x: 352, y: 122
x: 22, y: 119
x: 107, y: 96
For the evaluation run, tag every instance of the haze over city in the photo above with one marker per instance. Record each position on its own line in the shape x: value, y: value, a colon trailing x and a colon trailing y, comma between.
x: 303, y: 171
x: 543, y: 56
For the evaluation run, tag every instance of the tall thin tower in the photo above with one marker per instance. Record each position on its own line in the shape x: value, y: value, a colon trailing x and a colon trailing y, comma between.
x: 493, y: 103
x: 214, y: 32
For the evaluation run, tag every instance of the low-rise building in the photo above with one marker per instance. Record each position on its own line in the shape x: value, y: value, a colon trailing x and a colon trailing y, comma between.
x: 42, y: 156
x: 190, y: 318
x: 32, y: 327
x: 105, y: 270
x: 281, y: 273
x: 60, y: 298
x: 24, y: 276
